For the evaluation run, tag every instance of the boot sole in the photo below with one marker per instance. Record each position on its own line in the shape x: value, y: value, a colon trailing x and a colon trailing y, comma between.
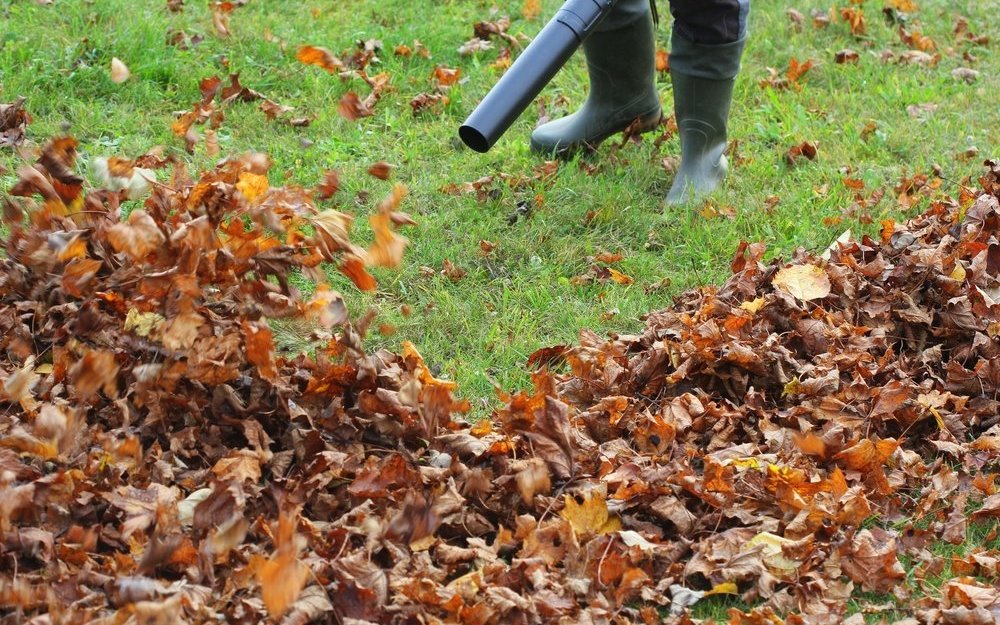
x: 571, y: 149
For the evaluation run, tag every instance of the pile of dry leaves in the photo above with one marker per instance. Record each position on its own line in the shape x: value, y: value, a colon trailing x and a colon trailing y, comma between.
x: 792, y: 435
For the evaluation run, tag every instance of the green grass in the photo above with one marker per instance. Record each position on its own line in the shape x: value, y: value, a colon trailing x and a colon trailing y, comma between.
x: 480, y: 329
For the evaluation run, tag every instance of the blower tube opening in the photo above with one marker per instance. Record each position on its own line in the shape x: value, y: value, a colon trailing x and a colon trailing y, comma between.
x: 474, y: 139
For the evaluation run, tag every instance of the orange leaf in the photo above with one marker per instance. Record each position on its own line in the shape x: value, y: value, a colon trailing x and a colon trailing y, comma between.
x: 621, y: 278
x: 867, y: 454
x: 320, y: 57
x: 252, y: 186
x: 96, y: 370
x: 446, y: 77
x: 354, y: 268
x: 608, y: 258
x: 259, y: 346
x: 662, y: 61
x: 282, y: 577
x: 531, y: 9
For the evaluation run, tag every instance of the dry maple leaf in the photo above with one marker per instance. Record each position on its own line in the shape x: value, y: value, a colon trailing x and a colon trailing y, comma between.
x: 428, y: 101
x: 805, y: 282
x: 387, y: 250
x: 662, y: 61
x: 591, y: 517
x: 796, y: 18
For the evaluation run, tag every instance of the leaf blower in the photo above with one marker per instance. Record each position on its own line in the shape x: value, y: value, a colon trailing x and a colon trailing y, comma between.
x: 532, y: 70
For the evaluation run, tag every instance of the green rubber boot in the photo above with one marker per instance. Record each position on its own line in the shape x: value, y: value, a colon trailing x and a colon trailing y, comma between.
x: 703, y: 77
x: 621, y: 59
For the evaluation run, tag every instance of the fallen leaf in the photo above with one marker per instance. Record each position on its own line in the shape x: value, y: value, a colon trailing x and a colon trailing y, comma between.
x: 805, y: 282
x: 590, y: 517
x: 119, y: 71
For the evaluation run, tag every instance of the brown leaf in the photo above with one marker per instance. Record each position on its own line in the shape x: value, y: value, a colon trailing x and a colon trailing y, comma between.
x: 97, y: 370
x: 138, y: 237
x: 847, y: 56
x: 240, y: 466
x: 380, y: 170
x: 259, y: 345
x: 220, y: 17
x: 797, y: 153
x: 330, y: 185
x: 13, y: 121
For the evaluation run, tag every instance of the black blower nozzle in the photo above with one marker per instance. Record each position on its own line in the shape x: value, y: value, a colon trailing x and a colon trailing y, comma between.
x: 532, y: 70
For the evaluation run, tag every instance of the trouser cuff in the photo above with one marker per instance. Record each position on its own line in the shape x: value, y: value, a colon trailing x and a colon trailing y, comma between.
x: 624, y: 13
x: 713, y: 62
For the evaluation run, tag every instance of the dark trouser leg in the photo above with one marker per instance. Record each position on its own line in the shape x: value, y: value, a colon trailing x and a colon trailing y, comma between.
x: 706, y: 48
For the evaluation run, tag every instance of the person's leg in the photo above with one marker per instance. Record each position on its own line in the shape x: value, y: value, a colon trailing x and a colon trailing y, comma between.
x: 621, y: 62
x: 706, y: 49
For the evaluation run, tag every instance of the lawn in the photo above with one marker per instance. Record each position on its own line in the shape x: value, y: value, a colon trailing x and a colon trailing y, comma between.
x: 479, y: 324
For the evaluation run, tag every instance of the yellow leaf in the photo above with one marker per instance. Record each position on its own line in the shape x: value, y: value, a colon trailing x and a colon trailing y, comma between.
x: 958, y: 274
x: 753, y: 306
x: 744, y: 463
x: 725, y: 588
x: 142, y: 324
x: 903, y: 6
x: 937, y: 418
x: 771, y: 553
x: 468, y: 584
x: 252, y: 185
x: 805, y: 282
x: 592, y: 516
